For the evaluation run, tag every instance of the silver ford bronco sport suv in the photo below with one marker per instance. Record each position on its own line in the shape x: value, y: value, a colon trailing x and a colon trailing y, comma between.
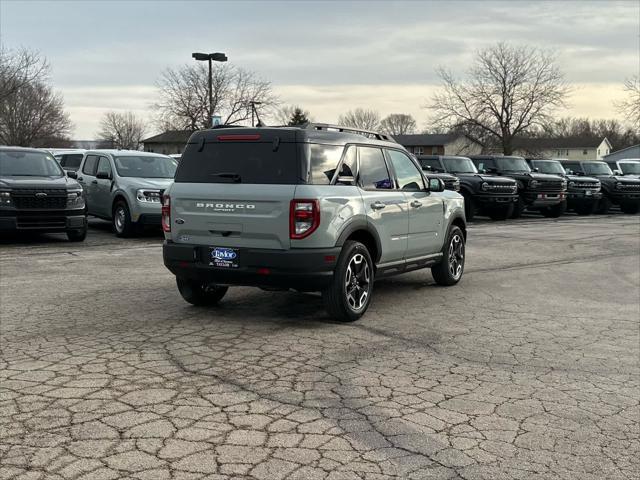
x: 312, y: 208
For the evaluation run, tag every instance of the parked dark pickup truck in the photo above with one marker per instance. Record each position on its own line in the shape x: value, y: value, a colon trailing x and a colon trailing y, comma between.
x: 583, y: 193
x: 536, y: 191
x: 36, y: 195
x: 616, y: 189
x: 485, y: 194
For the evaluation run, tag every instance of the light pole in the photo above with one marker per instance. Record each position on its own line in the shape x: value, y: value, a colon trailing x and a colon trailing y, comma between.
x: 210, y: 57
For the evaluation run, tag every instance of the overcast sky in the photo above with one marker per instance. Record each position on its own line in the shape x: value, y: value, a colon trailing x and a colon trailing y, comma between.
x: 326, y: 56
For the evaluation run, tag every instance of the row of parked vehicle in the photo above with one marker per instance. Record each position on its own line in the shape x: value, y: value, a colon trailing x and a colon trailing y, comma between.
x: 311, y: 208
x: 505, y: 186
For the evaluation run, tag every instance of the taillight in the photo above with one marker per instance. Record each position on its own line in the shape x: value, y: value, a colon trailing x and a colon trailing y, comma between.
x: 166, y: 213
x: 304, y: 218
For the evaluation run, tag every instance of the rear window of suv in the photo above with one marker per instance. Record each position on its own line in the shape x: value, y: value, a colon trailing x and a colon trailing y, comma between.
x: 240, y: 162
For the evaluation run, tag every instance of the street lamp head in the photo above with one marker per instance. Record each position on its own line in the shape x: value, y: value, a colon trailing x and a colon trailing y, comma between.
x: 216, y: 57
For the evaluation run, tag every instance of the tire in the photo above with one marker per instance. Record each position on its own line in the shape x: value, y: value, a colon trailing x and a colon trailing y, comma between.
x: 604, y: 206
x: 77, y: 235
x: 501, y: 213
x: 630, y: 208
x: 518, y: 208
x: 449, y: 271
x: 469, y: 207
x: 349, y: 295
x: 585, y: 208
x: 555, y: 211
x: 121, y: 220
x: 200, y: 294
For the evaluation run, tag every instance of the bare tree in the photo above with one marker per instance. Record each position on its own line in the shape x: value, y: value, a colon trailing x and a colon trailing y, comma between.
x: 630, y: 107
x: 33, y: 115
x: 360, y: 118
x: 121, y: 130
x: 287, y: 114
x: 398, y: 124
x: 19, y: 68
x: 619, y: 136
x: 183, y: 98
x: 509, y: 91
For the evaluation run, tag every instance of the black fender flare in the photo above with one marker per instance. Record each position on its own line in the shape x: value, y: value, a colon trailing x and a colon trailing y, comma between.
x: 357, y: 225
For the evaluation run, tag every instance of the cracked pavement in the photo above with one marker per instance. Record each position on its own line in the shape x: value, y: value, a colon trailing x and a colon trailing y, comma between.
x: 529, y: 368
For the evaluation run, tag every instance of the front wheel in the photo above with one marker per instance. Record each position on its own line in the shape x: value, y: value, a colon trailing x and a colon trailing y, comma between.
x: 449, y: 270
x: 604, y: 206
x: 121, y: 219
x: 77, y: 235
x: 518, y: 208
x: 585, y: 208
x: 198, y: 293
x: 555, y: 211
x: 501, y: 213
x: 349, y: 295
x: 631, y: 208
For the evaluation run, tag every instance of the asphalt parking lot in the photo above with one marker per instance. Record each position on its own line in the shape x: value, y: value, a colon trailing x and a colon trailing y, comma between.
x: 529, y: 368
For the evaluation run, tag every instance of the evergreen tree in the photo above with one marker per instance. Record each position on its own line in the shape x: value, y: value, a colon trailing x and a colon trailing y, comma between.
x: 298, y: 117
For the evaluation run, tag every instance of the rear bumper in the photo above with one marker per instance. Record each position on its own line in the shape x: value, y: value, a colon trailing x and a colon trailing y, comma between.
x: 150, y: 219
x: 42, y: 221
x: 300, y: 269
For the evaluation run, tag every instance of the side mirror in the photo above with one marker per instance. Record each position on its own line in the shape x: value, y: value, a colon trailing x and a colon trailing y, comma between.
x: 617, y: 172
x: 482, y: 170
x: 103, y: 176
x: 535, y: 169
x: 436, y: 185
x: 72, y: 174
x: 345, y: 180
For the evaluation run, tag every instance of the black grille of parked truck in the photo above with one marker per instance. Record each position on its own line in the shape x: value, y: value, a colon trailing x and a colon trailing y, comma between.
x: 37, y: 196
x: 536, y: 191
x: 583, y: 193
x: 484, y: 194
x: 618, y: 190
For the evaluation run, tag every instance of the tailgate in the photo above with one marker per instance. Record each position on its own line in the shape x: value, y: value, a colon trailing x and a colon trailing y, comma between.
x: 231, y: 215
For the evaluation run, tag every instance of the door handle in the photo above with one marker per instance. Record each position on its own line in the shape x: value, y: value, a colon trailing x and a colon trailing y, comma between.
x: 95, y: 182
x: 378, y: 205
x: 416, y: 204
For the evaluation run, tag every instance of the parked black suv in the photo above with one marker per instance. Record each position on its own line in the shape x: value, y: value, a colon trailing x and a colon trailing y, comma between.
x: 536, y: 191
x: 36, y: 195
x: 486, y: 194
x: 583, y: 193
x: 616, y: 190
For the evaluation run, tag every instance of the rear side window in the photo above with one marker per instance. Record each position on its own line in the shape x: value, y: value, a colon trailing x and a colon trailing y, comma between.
x: 324, y: 160
x: 374, y: 174
x: 90, y: 165
x: 240, y: 162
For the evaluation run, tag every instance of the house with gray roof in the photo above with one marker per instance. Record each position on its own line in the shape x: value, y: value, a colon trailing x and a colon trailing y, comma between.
x: 167, y: 143
x: 570, y: 148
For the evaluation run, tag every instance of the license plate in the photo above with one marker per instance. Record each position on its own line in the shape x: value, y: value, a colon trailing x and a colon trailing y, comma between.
x: 224, y: 257
x: 587, y: 193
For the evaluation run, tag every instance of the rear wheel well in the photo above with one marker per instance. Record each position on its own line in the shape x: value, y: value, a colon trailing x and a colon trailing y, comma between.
x: 366, y: 238
x: 458, y: 222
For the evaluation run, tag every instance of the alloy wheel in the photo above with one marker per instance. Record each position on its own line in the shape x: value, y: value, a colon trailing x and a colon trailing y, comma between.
x: 358, y: 282
x: 456, y: 256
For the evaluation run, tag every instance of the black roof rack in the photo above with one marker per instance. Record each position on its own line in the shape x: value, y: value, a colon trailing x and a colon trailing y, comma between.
x: 339, y: 128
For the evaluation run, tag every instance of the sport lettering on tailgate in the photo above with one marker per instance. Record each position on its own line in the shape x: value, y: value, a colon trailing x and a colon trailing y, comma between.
x: 225, y: 207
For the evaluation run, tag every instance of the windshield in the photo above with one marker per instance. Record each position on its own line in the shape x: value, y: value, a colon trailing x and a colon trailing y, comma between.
x: 146, y: 167
x: 596, y: 168
x: 630, y: 168
x: 460, y: 165
x: 28, y: 164
x: 432, y: 164
x: 546, y: 166
x: 512, y: 164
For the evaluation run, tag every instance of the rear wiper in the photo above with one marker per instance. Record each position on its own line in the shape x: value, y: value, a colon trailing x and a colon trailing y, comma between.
x: 234, y: 177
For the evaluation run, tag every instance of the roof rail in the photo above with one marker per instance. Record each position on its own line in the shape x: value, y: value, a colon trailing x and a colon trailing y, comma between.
x: 359, y: 131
